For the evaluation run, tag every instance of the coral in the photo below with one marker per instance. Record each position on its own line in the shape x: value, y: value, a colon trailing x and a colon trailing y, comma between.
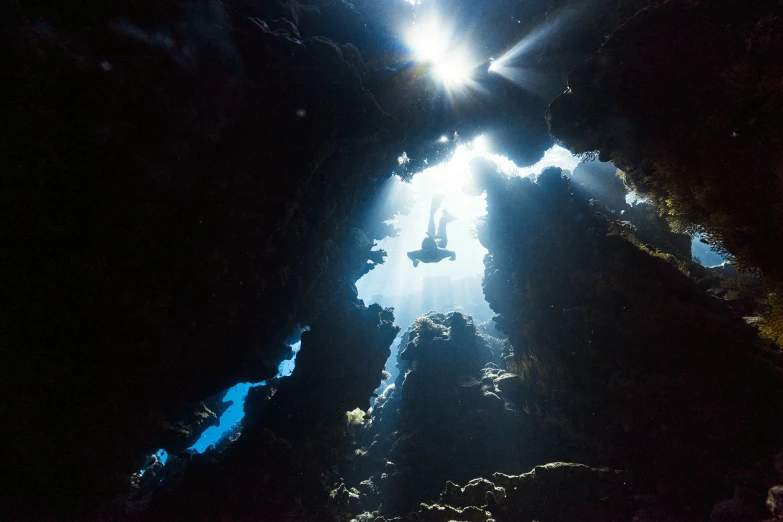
x: 355, y: 417
x: 771, y: 321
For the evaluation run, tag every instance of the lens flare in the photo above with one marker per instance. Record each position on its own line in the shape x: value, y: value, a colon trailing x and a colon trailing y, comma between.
x: 454, y: 70
x: 522, y: 64
x: 428, y: 42
x: 433, y: 43
x: 480, y: 144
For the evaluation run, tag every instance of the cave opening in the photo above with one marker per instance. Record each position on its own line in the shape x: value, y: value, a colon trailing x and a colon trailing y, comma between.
x: 230, y: 421
x: 448, y: 285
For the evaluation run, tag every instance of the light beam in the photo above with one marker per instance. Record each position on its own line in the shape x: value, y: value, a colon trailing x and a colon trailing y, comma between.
x: 433, y: 43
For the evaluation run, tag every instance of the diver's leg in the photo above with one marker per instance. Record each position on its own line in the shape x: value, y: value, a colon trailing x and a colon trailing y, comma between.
x: 437, y: 199
x: 445, y: 219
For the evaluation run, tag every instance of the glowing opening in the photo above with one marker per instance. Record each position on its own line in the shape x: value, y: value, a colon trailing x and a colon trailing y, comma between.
x: 480, y: 144
x: 448, y: 285
x: 428, y: 42
x: 160, y: 455
x: 703, y: 253
x: 232, y: 417
x: 454, y: 69
x: 432, y: 42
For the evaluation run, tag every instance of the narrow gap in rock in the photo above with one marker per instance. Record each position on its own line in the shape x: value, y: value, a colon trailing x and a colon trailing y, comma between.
x: 704, y: 254
x: 231, y: 419
x: 448, y: 285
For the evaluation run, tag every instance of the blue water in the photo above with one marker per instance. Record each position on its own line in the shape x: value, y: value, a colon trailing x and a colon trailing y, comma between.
x: 162, y: 455
x: 702, y: 252
x: 232, y: 417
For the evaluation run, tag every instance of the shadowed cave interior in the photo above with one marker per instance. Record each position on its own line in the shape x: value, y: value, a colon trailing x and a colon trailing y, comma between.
x: 209, y: 310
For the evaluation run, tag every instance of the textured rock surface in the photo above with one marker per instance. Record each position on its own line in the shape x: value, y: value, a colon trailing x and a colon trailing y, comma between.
x: 602, y: 183
x: 684, y: 96
x: 555, y: 491
x: 448, y: 416
x: 627, y: 354
x: 282, y: 457
x: 186, y: 183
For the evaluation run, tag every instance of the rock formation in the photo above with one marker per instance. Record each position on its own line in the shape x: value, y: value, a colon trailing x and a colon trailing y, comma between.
x: 556, y: 491
x: 686, y: 99
x: 626, y: 353
x: 278, y: 468
x: 448, y: 416
x: 185, y: 184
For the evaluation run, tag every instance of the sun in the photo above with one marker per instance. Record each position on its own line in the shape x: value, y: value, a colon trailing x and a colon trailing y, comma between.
x: 433, y: 43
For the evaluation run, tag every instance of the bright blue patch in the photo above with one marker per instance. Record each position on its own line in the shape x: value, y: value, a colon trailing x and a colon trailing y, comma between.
x: 236, y: 412
x: 286, y: 368
x: 230, y: 417
x: 162, y: 455
x: 702, y: 252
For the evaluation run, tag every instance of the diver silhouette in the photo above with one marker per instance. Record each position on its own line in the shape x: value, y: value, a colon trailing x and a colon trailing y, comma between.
x: 433, y: 247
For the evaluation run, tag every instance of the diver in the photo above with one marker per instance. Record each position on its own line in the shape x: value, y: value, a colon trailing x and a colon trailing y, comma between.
x: 433, y: 247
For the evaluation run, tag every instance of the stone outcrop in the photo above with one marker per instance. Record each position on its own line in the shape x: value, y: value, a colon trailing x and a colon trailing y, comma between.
x: 448, y: 416
x: 686, y: 99
x: 282, y: 457
x: 602, y: 183
x: 627, y: 354
x: 186, y: 183
x: 555, y: 491
x: 169, y: 219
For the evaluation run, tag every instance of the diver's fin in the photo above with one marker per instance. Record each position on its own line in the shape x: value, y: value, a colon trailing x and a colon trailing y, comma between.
x: 448, y: 216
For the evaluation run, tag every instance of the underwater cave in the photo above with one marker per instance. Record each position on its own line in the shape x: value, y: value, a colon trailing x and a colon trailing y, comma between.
x: 402, y: 261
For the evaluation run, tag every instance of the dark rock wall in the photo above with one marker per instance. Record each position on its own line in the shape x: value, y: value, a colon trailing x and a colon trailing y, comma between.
x: 602, y: 183
x: 448, y: 416
x: 279, y: 467
x: 626, y: 354
x: 686, y: 98
x: 168, y: 220
x: 556, y: 491
x: 185, y: 183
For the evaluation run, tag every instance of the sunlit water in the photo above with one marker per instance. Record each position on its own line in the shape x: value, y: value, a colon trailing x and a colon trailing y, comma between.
x: 412, y: 291
x: 448, y: 285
